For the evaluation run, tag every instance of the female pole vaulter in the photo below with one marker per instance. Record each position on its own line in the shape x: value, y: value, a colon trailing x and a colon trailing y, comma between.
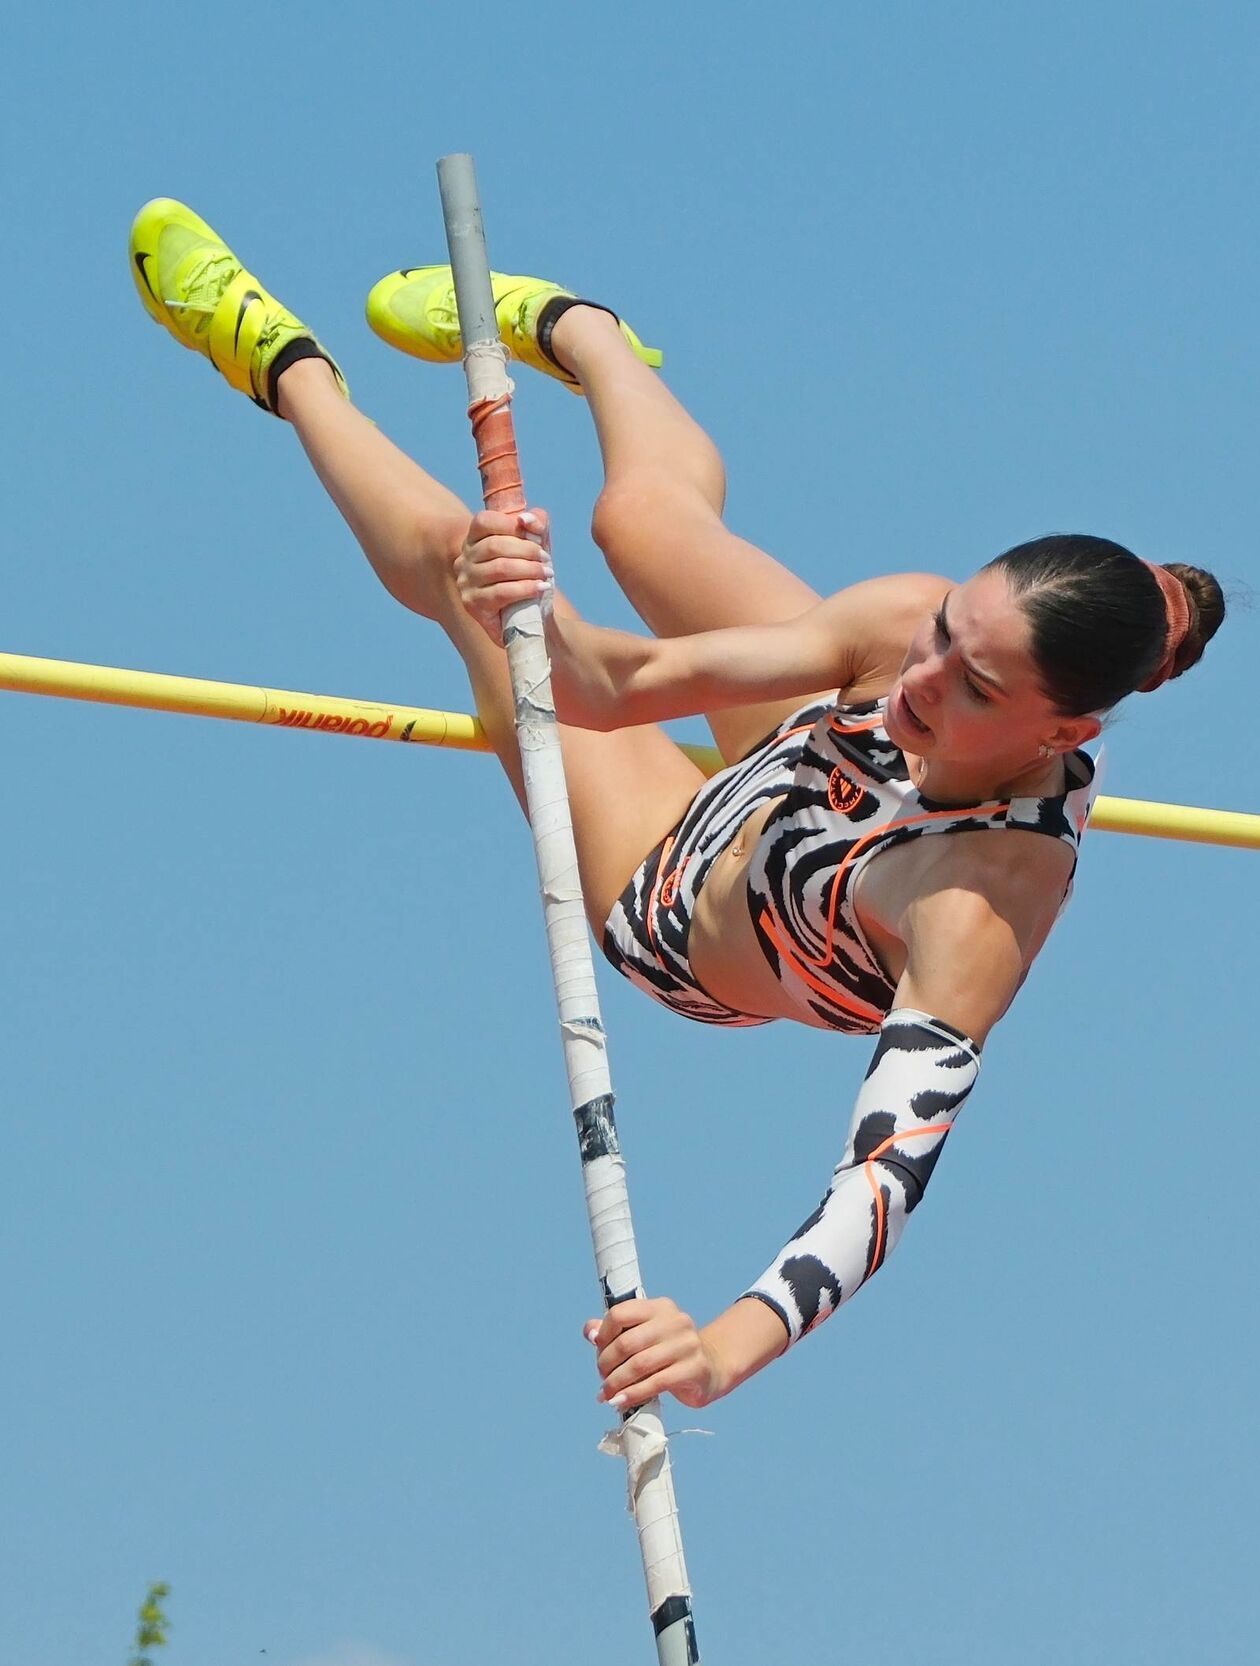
x: 898, y: 825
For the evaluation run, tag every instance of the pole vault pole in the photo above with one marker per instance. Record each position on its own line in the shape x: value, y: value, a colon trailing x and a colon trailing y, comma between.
x: 641, y: 1437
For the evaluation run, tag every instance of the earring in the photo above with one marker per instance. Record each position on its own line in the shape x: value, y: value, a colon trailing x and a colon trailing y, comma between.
x: 1046, y: 750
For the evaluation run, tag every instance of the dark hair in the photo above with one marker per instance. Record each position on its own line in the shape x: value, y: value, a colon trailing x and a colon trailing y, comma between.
x: 1098, y: 617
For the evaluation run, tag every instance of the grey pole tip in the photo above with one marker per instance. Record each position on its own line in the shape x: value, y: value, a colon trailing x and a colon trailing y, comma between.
x: 466, y: 241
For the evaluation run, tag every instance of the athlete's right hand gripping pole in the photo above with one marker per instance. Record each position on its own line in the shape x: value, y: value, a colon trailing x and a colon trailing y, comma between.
x: 641, y: 1437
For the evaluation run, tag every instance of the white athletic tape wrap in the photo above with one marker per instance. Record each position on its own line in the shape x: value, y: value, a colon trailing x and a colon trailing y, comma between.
x: 642, y: 1440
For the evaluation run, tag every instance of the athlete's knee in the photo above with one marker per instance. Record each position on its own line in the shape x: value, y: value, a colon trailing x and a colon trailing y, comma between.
x: 630, y: 511
x: 612, y: 511
x: 420, y: 568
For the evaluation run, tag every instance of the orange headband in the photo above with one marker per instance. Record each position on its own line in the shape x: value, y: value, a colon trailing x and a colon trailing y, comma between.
x: 1177, y: 609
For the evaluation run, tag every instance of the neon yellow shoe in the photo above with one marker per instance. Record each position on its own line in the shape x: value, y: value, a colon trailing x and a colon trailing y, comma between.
x: 194, y: 286
x: 414, y: 310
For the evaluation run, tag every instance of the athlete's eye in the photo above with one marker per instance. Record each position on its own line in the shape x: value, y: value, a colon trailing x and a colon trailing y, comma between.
x: 977, y: 694
x: 942, y: 630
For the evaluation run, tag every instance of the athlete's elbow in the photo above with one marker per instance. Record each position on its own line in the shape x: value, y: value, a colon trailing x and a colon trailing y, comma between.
x: 910, y: 1173
x: 578, y: 710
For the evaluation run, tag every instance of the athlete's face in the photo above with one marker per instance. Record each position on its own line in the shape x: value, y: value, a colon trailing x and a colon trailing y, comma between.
x: 968, y: 689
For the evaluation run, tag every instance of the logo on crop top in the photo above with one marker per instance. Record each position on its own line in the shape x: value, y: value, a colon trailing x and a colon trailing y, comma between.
x: 843, y: 793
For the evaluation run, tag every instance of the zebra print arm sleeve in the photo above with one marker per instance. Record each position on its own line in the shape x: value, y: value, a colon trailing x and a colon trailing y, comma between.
x: 922, y: 1071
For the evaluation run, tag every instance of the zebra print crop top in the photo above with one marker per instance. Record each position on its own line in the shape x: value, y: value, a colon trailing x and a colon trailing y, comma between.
x: 850, y: 798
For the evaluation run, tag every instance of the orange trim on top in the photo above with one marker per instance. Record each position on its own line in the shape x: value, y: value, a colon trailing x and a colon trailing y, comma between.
x: 786, y: 734
x: 872, y: 722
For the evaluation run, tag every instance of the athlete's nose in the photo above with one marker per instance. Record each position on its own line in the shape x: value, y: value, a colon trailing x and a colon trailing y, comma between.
x: 923, y: 682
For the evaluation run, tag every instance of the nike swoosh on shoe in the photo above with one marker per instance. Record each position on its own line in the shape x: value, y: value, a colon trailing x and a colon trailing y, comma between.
x: 247, y: 301
x: 140, y: 260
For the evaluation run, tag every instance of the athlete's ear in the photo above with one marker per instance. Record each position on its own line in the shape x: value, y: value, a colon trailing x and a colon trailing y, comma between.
x: 1075, y: 731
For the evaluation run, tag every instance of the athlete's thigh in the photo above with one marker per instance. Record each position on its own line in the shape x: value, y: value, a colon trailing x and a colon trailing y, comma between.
x: 627, y: 790
x: 680, y: 566
x: 683, y: 571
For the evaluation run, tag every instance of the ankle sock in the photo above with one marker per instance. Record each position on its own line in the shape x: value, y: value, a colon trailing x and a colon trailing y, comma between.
x: 550, y: 314
x: 301, y: 347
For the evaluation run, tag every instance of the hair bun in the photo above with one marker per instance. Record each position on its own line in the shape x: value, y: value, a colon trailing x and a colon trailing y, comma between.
x: 1207, y: 611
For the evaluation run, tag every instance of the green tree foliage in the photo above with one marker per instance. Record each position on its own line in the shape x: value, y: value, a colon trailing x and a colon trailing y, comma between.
x: 151, y: 1632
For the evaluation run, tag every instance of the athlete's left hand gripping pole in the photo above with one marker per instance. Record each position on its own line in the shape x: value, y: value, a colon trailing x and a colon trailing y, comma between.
x: 641, y: 1438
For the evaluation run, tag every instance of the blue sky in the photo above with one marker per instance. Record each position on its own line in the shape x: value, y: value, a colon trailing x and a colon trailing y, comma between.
x: 292, y: 1252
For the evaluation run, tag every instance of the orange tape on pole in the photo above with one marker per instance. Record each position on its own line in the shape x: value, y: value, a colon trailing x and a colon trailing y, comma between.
x: 502, y: 486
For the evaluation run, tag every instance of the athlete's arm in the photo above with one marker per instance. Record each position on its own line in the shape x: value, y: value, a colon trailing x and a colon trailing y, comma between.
x: 971, y: 925
x: 921, y: 1073
x: 606, y: 679
x: 969, y: 939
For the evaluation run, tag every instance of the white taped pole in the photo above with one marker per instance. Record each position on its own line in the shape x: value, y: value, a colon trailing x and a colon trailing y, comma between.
x: 641, y: 1438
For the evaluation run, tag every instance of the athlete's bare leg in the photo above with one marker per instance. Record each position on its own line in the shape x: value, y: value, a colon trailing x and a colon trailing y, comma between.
x: 626, y: 789
x: 658, y: 519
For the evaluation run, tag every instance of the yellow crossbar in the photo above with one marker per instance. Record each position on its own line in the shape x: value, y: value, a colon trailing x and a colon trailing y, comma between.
x: 330, y: 714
